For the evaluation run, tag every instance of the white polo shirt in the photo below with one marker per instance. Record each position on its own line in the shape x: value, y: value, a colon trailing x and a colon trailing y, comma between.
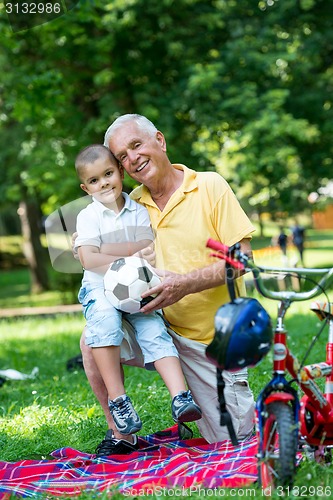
x: 97, y: 224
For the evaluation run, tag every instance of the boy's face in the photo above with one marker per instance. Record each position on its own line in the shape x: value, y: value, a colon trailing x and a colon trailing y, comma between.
x: 103, y: 180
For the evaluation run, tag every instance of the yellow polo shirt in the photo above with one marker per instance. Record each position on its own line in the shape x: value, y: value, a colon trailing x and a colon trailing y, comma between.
x: 203, y: 207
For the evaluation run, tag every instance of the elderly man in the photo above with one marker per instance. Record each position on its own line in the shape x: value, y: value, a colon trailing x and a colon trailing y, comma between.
x: 185, y: 208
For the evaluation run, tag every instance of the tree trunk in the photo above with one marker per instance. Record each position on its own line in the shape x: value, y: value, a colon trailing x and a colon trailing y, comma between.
x: 33, y: 250
x: 261, y: 223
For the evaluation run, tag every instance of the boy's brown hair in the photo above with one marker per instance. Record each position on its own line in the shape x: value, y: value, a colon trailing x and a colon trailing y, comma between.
x: 90, y: 154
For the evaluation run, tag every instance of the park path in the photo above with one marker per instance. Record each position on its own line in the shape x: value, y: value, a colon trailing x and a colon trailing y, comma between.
x: 39, y: 311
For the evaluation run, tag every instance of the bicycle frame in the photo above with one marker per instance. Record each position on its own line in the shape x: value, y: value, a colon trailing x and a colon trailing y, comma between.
x: 314, y: 401
x: 316, y: 416
x: 278, y: 388
x: 312, y: 417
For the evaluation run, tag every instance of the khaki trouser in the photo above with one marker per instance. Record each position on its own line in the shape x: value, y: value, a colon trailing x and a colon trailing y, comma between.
x: 201, y: 379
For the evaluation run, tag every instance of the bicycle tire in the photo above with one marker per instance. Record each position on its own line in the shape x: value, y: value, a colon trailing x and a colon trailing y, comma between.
x: 278, y: 465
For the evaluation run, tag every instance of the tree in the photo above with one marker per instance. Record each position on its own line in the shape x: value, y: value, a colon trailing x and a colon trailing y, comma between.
x: 269, y: 83
x: 241, y: 87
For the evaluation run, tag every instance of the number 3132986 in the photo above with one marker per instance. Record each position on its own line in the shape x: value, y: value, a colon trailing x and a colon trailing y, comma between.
x: 32, y: 8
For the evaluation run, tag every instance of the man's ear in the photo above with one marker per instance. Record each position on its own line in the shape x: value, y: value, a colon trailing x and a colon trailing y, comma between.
x: 121, y: 170
x: 161, y: 139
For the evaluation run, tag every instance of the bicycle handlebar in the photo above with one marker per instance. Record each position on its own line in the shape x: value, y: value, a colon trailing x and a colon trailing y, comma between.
x: 223, y: 250
x: 239, y: 260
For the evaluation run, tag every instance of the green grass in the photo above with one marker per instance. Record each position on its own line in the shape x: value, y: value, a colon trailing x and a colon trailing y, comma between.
x: 15, y: 291
x: 58, y: 409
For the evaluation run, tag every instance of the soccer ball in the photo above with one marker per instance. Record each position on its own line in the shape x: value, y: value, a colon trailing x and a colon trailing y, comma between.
x: 126, y: 279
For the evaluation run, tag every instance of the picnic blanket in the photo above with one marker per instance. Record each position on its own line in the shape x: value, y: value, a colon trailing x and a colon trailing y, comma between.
x: 162, y: 462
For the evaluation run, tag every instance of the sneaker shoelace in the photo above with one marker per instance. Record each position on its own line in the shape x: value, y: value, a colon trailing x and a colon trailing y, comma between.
x: 124, y: 408
x: 183, y: 396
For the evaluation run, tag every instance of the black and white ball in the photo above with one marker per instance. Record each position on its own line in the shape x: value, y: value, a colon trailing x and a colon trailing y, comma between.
x: 125, y: 281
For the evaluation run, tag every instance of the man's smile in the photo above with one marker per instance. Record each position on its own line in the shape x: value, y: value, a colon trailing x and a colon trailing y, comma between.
x: 142, y: 166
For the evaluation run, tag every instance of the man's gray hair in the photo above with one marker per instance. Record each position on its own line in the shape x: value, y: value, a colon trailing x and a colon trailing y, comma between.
x: 142, y: 122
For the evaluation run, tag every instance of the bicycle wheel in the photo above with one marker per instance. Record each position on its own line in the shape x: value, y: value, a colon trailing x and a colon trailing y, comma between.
x: 278, y: 465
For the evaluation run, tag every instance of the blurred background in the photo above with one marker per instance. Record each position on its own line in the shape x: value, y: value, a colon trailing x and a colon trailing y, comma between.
x: 243, y: 88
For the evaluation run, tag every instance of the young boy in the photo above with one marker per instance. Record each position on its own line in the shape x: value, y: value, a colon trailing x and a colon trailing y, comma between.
x: 113, y: 218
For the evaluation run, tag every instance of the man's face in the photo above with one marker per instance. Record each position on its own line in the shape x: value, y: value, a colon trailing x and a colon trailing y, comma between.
x: 141, y: 154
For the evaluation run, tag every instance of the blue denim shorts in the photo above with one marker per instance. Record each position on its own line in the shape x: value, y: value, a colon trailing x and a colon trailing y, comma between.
x: 104, y: 326
x: 104, y: 322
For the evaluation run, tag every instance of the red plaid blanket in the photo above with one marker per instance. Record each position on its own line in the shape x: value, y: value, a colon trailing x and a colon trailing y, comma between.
x: 162, y: 462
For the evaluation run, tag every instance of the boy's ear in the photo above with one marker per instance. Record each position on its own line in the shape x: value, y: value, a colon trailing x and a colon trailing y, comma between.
x: 121, y: 170
x: 83, y: 187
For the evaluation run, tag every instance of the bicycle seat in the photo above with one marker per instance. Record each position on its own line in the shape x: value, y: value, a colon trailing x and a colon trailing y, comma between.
x: 322, y: 309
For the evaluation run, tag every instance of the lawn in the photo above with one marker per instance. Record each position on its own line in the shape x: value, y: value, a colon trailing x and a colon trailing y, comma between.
x: 58, y: 409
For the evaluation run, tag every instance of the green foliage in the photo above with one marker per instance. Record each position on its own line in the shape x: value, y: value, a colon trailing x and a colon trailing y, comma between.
x: 266, y: 133
x: 241, y: 87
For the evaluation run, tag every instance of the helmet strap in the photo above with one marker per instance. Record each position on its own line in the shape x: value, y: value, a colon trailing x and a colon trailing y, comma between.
x: 225, y: 416
x: 230, y: 277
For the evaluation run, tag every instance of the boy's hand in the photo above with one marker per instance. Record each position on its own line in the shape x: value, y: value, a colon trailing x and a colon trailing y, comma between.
x: 74, y: 250
x: 147, y: 253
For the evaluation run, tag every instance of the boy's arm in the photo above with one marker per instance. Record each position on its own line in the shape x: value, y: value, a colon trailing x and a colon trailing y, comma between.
x: 143, y: 249
x: 98, y: 260
x: 141, y: 236
x: 98, y: 255
x: 92, y: 260
x: 125, y: 249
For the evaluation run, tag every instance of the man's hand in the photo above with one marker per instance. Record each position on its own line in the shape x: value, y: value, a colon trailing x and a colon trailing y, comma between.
x: 171, y: 289
x: 175, y: 286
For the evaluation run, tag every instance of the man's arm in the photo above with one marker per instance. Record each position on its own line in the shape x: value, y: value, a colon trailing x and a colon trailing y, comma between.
x: 175, y: 286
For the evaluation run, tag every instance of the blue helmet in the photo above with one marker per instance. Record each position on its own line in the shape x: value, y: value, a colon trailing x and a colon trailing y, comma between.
x: 243, y: 335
